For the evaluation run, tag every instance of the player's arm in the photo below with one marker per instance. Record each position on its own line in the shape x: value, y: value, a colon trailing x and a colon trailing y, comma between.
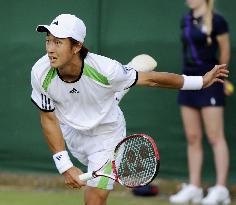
x: 56, y: 143
x: 52, y: 132
x: 171, y: 80
x: 224, y: 48
x: 224, y: 56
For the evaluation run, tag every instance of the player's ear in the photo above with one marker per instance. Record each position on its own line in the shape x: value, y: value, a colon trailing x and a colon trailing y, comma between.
x: 77, y: 47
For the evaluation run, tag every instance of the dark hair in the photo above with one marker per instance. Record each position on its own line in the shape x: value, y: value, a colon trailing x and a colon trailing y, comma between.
x: 83, y: 51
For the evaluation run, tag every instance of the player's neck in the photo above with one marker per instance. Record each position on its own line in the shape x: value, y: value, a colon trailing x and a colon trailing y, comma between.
x: 72, y: 70
x: 200, y: 11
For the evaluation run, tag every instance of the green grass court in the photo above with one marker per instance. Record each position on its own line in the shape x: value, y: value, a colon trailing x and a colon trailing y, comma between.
x: 13, y: 197
x: 41, y: 189
x: 39, y: 197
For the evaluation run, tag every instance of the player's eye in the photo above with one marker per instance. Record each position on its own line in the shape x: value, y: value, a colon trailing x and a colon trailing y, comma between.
x: 58, y: 42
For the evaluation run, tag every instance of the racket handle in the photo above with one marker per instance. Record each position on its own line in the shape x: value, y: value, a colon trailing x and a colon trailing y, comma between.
x: 86, y: 176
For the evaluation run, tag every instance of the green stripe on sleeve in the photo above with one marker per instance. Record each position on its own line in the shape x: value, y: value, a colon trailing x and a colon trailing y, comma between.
x: 94, y: 74
x: 50, y: 75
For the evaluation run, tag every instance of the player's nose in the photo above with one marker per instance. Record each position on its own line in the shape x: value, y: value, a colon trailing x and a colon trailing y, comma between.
x: 50, y: 47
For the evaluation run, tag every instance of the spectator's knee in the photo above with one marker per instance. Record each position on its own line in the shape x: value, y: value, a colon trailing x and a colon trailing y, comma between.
x: 194, y: 139
x: 214, y: 139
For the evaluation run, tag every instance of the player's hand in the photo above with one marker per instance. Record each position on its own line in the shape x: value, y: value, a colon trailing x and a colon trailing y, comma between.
x: 72, y: 178
x: 217, y: 74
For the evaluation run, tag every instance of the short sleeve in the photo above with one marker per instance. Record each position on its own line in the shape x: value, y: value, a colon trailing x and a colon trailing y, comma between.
x: 220, y: 25
x: 122, y: 77
x: 39, y: 97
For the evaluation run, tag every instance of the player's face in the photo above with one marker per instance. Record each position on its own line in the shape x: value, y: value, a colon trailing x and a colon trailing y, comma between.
x: 194, y: 4
x: 59, y: 51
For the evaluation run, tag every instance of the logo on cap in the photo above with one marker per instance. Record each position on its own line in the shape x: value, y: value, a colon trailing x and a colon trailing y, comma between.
x: 55, y: 22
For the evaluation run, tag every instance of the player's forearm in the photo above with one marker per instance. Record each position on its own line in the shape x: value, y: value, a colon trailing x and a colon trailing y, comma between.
x: 171, y: 80
x: 56, y: 143
x: 224, y: 48
x: 52, y: 132
x: 224, y: 58
x: 161, y: 79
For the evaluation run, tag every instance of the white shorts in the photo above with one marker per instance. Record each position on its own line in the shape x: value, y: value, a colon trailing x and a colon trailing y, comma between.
x: 94, y: 150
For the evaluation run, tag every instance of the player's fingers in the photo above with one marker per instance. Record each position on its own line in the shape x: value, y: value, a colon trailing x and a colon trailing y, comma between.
x: 74, y: 187
x: 223, y: 71
x: 81, y: 183
x: 222, y: 66
x: 77, y: 186
x: 68, y: 184
x: 222, y: 75
x: 220, y: 80
x: 72, y: 184
x: 220, y: 69
x: 76, y: 183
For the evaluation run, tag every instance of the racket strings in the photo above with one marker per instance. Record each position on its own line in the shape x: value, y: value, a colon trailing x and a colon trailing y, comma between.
x: 136, y: 162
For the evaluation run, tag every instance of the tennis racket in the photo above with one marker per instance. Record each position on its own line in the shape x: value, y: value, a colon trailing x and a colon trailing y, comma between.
x: 135, y: 162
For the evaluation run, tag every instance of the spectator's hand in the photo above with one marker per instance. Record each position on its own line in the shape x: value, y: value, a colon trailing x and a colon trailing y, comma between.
x: 228, y: 88
x: 217, y: 74
x: 72, y: 178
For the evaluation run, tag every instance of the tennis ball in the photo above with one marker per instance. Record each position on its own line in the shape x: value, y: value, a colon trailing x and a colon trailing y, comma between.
x: 143, y: 62
x: 230, y: 88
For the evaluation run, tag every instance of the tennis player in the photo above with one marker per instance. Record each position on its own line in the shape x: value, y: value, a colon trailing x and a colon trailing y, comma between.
x: 74, y: 90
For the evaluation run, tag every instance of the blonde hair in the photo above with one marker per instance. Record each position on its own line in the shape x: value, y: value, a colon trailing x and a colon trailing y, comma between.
x: 208, y: 18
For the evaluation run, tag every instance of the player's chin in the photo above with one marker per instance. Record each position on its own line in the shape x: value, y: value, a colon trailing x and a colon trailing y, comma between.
x: 54, y: 64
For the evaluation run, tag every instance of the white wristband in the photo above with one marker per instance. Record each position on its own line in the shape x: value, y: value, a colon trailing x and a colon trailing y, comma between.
x: 62, y: 161
x: 192, y: 83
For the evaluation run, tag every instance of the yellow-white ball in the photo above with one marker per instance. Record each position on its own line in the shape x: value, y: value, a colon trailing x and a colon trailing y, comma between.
x: 143, y: 62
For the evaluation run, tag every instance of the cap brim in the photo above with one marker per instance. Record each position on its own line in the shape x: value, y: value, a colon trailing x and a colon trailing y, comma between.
x: 42, y: 28
x: 54, y: 30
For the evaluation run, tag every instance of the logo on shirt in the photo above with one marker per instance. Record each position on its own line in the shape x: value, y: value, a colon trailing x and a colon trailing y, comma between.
x: 126, y: 68
x: 46, y: 102
x: 74, y: 90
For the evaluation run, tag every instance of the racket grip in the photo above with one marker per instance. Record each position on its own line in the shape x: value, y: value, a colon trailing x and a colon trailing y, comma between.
x: 86, y: 176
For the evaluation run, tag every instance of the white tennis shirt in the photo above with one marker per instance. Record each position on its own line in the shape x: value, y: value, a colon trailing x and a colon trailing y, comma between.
x: 89, y: 101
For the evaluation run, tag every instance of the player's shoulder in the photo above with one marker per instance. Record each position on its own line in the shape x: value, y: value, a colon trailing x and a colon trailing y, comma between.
x: 99, y: 60
x: 101, y: 63
x: 218, y: 18
x: 41, y: 66
x: 220, y: 24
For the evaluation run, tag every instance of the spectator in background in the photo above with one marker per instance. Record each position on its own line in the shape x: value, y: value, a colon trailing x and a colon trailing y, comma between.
x: 204, y: 35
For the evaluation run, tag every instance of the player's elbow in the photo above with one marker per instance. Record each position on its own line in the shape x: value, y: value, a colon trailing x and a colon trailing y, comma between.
x: 147, y: 79
x: 148, y: 83
x: 153, y: 84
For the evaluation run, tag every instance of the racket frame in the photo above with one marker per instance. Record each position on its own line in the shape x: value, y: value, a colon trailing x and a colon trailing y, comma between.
x: 98, y: 173
x: 151, y: 140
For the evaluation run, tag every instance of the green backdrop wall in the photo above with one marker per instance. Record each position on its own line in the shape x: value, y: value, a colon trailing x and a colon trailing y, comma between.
x: 117, y: 29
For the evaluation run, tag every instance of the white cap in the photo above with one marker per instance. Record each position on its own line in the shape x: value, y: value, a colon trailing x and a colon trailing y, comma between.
x: 64, y: 26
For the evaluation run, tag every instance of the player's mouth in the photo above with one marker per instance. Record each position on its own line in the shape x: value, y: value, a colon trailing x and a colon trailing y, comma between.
x: 52, y: 59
